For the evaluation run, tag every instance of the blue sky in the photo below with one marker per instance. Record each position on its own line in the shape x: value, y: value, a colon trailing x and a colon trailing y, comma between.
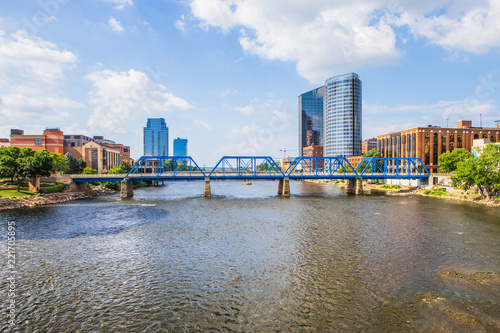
x: 225, y: 74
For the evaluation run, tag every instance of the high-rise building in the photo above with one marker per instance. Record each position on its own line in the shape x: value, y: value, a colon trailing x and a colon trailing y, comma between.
x: 156, y: 137
x: 342, y: 115
x: 180, y: 147
x: 311, y: 119
x: 330, y: 116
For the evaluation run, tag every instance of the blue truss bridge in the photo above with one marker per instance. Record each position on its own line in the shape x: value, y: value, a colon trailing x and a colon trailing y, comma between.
x: 157, y: 168
x: 184, y: 168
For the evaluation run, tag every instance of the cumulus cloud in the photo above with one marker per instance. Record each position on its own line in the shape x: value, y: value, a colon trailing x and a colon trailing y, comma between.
x: 326, y: 37
x: 115, y: 24
x: 30, y: 60
x: 246, y: 110
x: 119, y: 96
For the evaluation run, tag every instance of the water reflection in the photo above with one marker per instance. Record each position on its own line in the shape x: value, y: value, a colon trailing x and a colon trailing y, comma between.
x: 247, y: 260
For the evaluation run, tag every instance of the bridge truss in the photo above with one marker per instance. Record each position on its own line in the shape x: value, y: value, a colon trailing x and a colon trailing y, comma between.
x: 168, y: 168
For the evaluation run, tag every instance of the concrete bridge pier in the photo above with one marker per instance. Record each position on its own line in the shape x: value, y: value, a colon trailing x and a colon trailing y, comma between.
x: 354, y: 186
x: 359, y: 186
x: 127, y: 190
x: 351, y: 186
x: 206, y: 192
x: 284, y: 187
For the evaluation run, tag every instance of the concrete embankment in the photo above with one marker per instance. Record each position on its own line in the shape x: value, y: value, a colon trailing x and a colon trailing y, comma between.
x: 49, y: 199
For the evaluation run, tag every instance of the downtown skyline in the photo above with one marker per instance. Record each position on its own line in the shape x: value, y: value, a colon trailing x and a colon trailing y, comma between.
x: 226, y: 74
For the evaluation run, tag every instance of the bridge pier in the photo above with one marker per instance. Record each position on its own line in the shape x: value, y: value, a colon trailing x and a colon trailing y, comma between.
x: 77, y: 187
x: 284, y: 187
x: 127, y: 190
x: 206, y: 192
x: 359, y: 186
x: 354, y: 186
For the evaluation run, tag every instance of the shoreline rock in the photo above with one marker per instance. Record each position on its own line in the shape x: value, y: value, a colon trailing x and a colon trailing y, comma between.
x: 50, y: 199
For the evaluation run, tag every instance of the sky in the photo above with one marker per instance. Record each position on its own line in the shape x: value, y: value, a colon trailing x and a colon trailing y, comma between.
x: 226, y: 74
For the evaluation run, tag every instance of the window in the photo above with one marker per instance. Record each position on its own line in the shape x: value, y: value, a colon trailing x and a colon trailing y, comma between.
x: 38, y: 142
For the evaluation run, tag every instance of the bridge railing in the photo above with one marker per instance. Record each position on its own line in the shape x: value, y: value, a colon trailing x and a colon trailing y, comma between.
x: 246, y: 167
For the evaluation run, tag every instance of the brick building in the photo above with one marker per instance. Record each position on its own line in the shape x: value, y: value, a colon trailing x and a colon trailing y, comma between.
x: 429, y: 142
x: 368, y: 145
x: 52, y: 140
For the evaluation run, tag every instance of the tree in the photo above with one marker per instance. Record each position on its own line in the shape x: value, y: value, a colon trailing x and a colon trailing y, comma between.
x: 372, y: 153
x: 72, y: 163
x: 89, y: 171
x: 59, y: 162
x: 119, y: 169
x: 8, y: 162
x: 81, y: 165
x: 483, y: 171
x: 448, y: 162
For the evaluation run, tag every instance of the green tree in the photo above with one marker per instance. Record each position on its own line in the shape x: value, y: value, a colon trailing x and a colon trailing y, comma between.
x: 372, y: 153
x: 8, y: 162
x: 119, y: 169
x: 89, y: 171
x: 81, y: 165
x: 483, y: 171
x: 72, y: 163
x: 448, y: 162
x: 59, y: 162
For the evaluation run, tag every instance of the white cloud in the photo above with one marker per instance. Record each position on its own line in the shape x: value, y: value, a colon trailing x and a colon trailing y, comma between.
x: 120, y: 96
x: 327, y: 37
x: 246, y: 110
x: 120, y: 4
x: 30, y: 60
x: 115, y: 24
x: 181, y: 24
x: 200, y: 123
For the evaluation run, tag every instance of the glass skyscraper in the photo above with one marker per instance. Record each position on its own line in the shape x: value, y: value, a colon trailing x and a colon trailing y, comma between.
x: 342, y: 116
x: 180, y: 147
x: 311, y: 118
x: 156, y: 137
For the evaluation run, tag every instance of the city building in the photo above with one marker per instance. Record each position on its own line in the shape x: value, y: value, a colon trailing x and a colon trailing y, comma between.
x: 76, y: 140
x: 312, y: 151
x: 427, y: 143
x: 478, y: 146
x: 4, y: 142
x: 156, y: 137
x: 342, y: 115
x: 330, y: 116
x: 368, y: 145
x: 180, y: 147
x: 52, y: 140
x: 100, y: 157
x: 311, y: 118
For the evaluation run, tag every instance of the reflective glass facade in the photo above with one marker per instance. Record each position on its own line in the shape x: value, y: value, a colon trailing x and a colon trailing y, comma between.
x: 180, y: 147
x: 311, y: 118
x: 156, y: 137
x: 342, y: 116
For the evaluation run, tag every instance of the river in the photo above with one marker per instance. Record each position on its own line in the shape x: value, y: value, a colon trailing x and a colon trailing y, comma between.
x: 246, y: 260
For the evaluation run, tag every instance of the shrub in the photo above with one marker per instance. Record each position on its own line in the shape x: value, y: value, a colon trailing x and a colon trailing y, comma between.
x: 53, y: 189
x: 89, y: 171
x: 427, y: 191
x: 112, y: 185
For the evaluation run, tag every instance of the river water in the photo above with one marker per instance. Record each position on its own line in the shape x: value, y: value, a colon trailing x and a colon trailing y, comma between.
x: 246, y: 260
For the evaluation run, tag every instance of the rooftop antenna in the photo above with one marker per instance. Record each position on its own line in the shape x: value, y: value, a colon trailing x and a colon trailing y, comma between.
x: 480, y: 120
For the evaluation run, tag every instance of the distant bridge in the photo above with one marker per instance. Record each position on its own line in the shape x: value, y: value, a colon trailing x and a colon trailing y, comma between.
x: 166, y: 168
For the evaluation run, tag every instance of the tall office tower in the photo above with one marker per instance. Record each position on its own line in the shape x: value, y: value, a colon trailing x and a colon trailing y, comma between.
x: 311, y: 119
x: 156, y: 137
x: 180, y: 147
x: 342, y: 116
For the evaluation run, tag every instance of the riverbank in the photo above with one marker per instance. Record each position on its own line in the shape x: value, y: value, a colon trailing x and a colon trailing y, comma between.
x: 415, y: 190
x: 49, y: 199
